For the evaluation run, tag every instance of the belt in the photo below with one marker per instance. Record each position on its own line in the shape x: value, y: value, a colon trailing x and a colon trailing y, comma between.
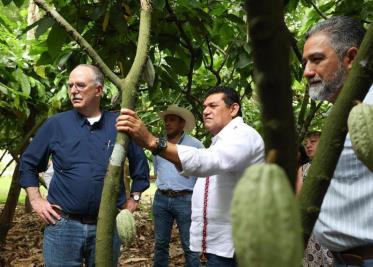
x: 172, y: 193
x: 354, y: 256
x: 83, y: 218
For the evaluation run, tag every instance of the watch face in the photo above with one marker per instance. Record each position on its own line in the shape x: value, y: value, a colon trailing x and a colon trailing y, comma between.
x: 162, y: 143
x: 136, y: 197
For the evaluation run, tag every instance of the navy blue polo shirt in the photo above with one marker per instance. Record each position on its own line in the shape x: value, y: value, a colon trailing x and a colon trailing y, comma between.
x: 80, y: 154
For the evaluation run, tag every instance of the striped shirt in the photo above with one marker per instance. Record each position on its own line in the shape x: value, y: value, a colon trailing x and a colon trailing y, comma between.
x: 346, y: 216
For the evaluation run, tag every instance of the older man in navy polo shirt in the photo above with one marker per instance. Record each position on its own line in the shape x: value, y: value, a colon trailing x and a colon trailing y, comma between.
x: 80, y: 142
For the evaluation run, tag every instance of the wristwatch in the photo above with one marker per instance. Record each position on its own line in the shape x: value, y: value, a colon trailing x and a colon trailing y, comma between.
x: 161, y: 145
x: 135, y: 197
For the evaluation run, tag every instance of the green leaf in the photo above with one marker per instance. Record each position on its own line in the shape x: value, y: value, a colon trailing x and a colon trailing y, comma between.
x: 56, y: 38
x: 159, y: 4
x: 44, y: 59
x: 40, y: 70
x: 23, y: 80
x: 148, y: 74
x: 18, y: 3
x: 234, y: 18
x: 292, y: 5
x: 3, y: 89
x: 6, y: 2
x: 243, y: 60
x: 178, y: 65
x: 43, y: 25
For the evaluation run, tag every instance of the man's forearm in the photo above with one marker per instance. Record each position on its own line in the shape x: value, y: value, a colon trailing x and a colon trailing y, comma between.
x: 33, y: 193
x: 170, y: 153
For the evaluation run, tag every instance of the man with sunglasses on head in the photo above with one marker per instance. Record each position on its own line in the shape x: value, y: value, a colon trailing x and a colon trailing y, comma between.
x: 80, y: 142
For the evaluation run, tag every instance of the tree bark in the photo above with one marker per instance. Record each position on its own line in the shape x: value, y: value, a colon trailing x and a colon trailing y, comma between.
x: 108, y: 212
x: 12, y: 199
x: 334, y: 132
x: 7, y: 214
x: 270, y: 42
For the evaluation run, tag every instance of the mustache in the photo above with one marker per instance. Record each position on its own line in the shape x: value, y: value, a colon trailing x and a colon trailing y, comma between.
x: 314, y: 80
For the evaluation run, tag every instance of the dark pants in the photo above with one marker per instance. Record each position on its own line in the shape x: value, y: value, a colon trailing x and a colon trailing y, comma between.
x: 218, y: 261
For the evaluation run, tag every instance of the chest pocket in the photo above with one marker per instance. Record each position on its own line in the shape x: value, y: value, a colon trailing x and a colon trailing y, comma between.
x: 68, y: 153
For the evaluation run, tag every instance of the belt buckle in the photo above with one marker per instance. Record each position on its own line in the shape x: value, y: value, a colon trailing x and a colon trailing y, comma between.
x: 172, y: 193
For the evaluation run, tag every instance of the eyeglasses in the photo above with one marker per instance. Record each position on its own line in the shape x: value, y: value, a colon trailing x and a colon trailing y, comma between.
x: 78, y: 85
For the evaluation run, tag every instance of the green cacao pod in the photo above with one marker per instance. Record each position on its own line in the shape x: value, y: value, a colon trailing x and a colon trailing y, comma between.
x: 126, y: 227
x: 360, y: 127
x: 266, y: 219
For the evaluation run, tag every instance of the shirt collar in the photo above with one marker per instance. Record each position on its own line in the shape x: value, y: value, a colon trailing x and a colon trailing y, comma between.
x: 82, y: 120
x: 226, y: 131
x: 181, y: 138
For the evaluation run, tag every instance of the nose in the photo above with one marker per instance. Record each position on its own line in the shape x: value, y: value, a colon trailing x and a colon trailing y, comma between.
x: 309, y: 70
x: 73, y: 89
x: 205, y: 111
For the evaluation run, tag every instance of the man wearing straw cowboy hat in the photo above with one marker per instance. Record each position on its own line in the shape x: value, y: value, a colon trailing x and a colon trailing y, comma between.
x: 172, y: 200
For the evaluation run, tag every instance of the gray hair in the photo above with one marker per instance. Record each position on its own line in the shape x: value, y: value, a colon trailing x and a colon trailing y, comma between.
x: 343, y: 32
x: 98, y: 76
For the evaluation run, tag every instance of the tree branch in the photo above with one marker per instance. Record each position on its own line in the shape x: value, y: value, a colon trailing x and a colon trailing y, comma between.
x: 6, y: 167
x: 317, y: 9
x: 81, y: 41
x: 189, y: 47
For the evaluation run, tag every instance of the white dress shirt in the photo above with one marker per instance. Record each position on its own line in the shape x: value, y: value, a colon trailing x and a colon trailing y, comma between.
x: 346, y: 216
x: 233, y: 149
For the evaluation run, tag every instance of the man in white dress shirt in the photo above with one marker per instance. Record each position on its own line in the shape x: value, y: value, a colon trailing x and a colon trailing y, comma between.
x: 345, y: 223
x: 235, y: 145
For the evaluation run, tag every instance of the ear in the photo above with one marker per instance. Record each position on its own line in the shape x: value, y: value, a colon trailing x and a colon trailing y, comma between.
x: 349, y: 57
x: 99, y: 90
x: 234, y: 109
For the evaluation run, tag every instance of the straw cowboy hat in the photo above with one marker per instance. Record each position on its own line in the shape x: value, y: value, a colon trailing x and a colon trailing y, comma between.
x: 190, y: 121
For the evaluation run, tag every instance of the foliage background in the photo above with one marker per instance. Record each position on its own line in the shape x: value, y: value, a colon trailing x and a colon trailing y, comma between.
x: 195, y: 45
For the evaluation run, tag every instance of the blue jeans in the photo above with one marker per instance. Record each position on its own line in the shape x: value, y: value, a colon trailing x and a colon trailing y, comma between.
x: 366, y: 263
x: 218, y: 261
x: 68, y: 243
x: 165, y: 211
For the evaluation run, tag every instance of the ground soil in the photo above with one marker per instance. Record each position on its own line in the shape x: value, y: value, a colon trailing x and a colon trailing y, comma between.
x: 24, y: 242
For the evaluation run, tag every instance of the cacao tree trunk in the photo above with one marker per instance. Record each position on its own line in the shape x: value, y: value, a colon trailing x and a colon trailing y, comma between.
x: 108, y: 212
x: 12, y: 200
x: 270, y: 42
x: 7, y: 214
x: 333, y: 135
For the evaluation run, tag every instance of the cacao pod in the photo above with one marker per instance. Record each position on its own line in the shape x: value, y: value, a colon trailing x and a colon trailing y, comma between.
x: 126, y: 227
x: 266, y: 219
x: 360, y: 127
